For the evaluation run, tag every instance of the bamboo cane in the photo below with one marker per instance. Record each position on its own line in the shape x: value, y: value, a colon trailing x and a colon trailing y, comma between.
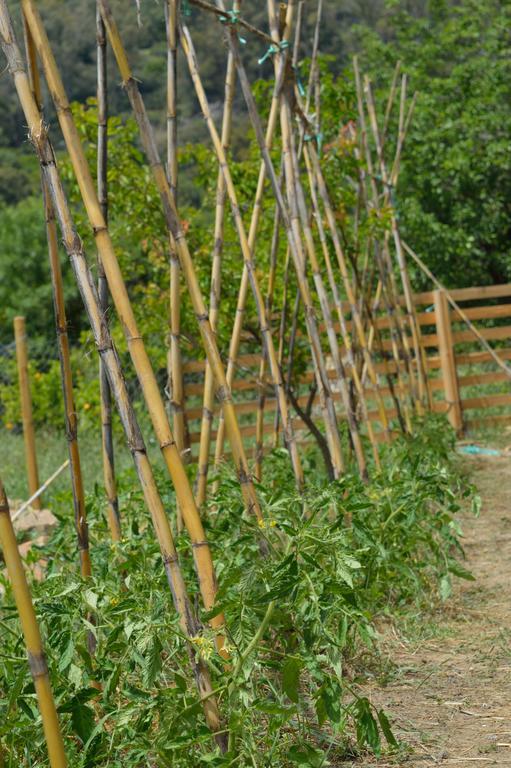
x: 390, y: 102
x: 297, y: 255
x: 74, y: 248
x: 151, y: 392
x: 174, y: 366
x: 20, y: 336
x: 290, y: 441
x: 59, y: 307
x: 399, y: 339
x: 261, y: 378
x: 346, y: 338
x: 404, y: 122
x: 32, y: 635
x: 333, y: 341
x: 385, y: 288
x: 282, y: 331
x: 328, y: 413
x: 81, y: 527
x: 39, y: 491
x: 107, y: 442
x: 214, y: 298
x: 311, y: 155
x: 244, y: 284
x: 424, y: 394
x: 223, y: 392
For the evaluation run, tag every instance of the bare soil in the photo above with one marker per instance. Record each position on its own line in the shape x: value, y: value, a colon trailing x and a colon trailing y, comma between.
x: 447, y: 690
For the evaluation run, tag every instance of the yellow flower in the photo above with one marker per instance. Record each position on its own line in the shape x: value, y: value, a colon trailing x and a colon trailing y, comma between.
x: 114, y: 601
x: 86, y: 406
x: 264, y: 525
x: 9, y: 425
x: 204, y: 646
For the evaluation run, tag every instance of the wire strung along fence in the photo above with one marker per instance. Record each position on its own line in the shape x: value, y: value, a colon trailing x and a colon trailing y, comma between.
x: 345, y: 354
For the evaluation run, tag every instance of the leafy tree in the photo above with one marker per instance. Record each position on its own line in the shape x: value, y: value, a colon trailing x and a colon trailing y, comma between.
x: 455, y: 188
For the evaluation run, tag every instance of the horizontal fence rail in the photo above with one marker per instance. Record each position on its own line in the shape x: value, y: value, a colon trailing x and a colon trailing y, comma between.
x: 464, y: 380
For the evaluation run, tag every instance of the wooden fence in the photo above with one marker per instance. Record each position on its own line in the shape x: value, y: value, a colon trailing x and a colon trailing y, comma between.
x: 465, y: 382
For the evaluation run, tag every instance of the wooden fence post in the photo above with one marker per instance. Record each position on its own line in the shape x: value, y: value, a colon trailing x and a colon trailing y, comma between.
x: 448, y: 360
x: 20, y: 337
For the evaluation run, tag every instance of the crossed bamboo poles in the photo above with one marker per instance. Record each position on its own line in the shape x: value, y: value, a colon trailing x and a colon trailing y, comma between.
x: 293, y: 214
x: 73, y: 246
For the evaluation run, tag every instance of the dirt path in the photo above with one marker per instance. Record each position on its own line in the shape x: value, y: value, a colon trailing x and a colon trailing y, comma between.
x: 449, y: 696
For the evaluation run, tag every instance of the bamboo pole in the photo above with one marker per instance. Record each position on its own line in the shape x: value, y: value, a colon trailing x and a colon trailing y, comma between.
x: 20, y: 336
x: 399, y: 338
x: 39, y: 491
x: 33, y: 643
x: 235, y: 340
x: 214, y: 296
x: 175, y: 385
x: 342, y: 383
x: 312, y: 157
x: 59, y: 307
x: 294, y: 241
x: 223, y: 392
x: 107, y: 442
x: 82, y: 531
x: 282, y: 331
x: 424, y: 396
x: 385, y: 287
x: 150, y: 390
x: 261, y: 378
x: 74, y: 248
x: 290, y: 442
x: 346, y: 338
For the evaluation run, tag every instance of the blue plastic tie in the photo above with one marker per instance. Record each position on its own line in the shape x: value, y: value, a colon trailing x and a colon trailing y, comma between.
x: 232, y: 17
x: 274, y: 49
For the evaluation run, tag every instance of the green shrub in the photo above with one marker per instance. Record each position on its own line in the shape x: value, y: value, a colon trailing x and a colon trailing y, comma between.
x: 337, y: 560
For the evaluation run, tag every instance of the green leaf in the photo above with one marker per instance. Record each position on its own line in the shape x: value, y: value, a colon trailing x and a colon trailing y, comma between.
x: 83, y: 722
x: 291, y: 678
x: 445, y: 587
x: 91, y: 599
x: 386, y: 729
x: 67, y: 657
x: 152, y: 662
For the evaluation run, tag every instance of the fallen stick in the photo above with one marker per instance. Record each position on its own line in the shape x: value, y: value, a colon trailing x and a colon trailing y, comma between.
x: 40, y: 490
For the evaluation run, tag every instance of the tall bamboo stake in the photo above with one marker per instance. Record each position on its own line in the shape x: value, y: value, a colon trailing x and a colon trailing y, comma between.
x: 282, y: 331
x: 297, y: 254
x: 346, y: 338
x: 67, y: 389
x: 287, y: 423
x: 71, y: 421
x: 261, y: 378
x: 401, y: 260
x: 174, y: 366
x: 145, y: 373
x: 214, y: 296
x: 107, y: 442
x: 32, y: 635
x: 399, y: 338
x: 310, y: 250
x: 311, y: 155
x: 20, y: 336
x: 244, y: 284
x: 175, y: 229
x: 90, y: 298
